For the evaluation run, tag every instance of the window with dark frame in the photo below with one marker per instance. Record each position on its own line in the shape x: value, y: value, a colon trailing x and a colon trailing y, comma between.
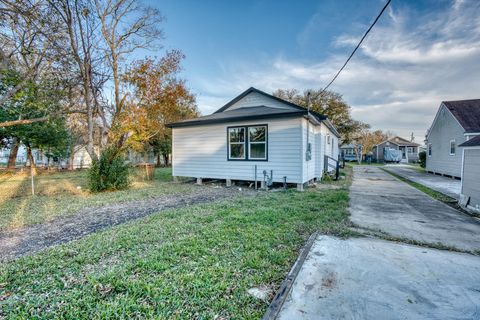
x: 429, y: 149
x: 247, y: 142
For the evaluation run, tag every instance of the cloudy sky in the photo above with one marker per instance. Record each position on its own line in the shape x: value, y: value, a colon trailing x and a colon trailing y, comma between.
x: 419, y: 54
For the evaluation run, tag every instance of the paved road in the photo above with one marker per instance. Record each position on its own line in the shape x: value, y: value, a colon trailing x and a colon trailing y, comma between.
x: 377, y: 279
x: 381, y: 202
x: 448, y: 186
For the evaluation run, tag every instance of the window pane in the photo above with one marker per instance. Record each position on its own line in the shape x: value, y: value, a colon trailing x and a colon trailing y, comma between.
x: 237, y: 134
x: 257, y: 134
x: 257, y: 151
x: 237, y: 151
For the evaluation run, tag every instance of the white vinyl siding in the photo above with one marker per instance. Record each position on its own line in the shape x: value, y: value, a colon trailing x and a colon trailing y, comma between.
x: 444, y: 129
x: 255, y: 99
x: 201, y: 151
x: 471, y: 176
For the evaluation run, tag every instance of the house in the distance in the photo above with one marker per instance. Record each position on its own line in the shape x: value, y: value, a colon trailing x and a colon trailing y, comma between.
x: 454, y: 123
x: 347, y: 152
x: 255, y: 137
x: 396, y: 149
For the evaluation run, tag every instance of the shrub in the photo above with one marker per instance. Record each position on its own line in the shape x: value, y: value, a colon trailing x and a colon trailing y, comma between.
x: 110, y: 172
x: 422, y: 158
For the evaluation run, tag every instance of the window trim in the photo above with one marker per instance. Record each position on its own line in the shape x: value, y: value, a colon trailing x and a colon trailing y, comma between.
x: 450, y: 147
x: 429, y: 149
x: 262, y: 142
x: 247, y: 142
x: 244, y: 144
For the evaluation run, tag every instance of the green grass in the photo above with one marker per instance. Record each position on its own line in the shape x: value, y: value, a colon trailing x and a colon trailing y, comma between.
x: 192, y: 263
x: 65, y: 193
x: 432, y: 193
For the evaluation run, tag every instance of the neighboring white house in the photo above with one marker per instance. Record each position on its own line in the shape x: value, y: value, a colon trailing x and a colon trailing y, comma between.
x: 470, y: 194
x: 80, y: 159
x: 254, y: 131
x: 454, y: 123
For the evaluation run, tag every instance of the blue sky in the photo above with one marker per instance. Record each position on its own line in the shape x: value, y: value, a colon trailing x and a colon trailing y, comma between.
x: 420, y: 53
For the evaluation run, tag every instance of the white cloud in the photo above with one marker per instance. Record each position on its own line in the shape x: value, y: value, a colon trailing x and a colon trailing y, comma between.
x: 396, y: 81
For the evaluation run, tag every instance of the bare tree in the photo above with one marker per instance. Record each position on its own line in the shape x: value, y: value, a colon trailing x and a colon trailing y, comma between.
x: 30, y: 41
x: 126, y: 26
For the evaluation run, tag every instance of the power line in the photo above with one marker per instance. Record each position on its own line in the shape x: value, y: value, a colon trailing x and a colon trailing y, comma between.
x: 358, y: 45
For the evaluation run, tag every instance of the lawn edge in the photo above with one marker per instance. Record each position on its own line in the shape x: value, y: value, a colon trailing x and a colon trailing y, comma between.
x: 437, y: 195
x: 277, y: 302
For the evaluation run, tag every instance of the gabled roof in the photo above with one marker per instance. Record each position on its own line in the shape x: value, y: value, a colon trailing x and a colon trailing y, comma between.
x: 403, y: 142
x: 473, y: 142
x: 467, y: 113
x: 246, y: 113
x: 399, y: 141
x: 255, y: 112
x: 252, y: 89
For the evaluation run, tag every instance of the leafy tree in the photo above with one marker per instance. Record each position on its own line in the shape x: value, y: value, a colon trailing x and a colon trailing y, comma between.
x: 330, y: 104
x: 422, y: 158
x: 32, y: 101
x: 157, y: 97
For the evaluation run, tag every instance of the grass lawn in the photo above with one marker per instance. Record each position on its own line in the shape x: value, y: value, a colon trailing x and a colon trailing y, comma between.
x: 192, y: 263
x: 57, y: 194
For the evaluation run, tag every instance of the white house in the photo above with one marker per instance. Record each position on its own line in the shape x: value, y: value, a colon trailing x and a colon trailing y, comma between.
x: 470, y: 192
x: 454, y: 123
x: 252, y: 134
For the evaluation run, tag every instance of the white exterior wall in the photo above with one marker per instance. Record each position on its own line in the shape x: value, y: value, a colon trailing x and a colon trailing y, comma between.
x: 256, y: 99
x: 201, y: 151
x: 444, y: 129
x: 318, y: 138
x: 471, y: 175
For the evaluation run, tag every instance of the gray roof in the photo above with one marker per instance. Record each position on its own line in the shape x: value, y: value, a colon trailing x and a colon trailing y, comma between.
x: 246, y: 113
x: 467, y: 113
x: 473, y: 142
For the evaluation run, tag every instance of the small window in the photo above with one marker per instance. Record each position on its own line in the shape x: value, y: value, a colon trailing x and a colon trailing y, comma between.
x: 452, y: 147
x: 257, y: 143
x: 328, y: 138
x: 429, y: 149
x: 236, y: 143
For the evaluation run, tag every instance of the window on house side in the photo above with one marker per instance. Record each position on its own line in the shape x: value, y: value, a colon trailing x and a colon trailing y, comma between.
x: 429, y: 149
x: 236, y: 143
x: 257, y: 143
x: 452, y: 147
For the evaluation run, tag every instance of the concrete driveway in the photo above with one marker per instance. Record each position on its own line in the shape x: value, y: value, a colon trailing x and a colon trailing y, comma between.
x: 381, y: 202
x: 448, y: 186
x: 377, y: 279
x: 370, y: 278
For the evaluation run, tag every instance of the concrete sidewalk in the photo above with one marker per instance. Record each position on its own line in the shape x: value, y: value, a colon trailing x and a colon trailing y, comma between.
x: 381, y: 202
x: 376, y: 279
x: 448, y: 186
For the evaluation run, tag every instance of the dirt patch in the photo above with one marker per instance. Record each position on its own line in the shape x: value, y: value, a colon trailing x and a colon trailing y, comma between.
x: 24, y: 241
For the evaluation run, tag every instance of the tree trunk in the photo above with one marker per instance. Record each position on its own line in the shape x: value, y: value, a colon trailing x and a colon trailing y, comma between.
x: 12, y: 158
x: 159, y: 163
x: 31, y: 160
x: 71, y: 158
x: 165, y: 159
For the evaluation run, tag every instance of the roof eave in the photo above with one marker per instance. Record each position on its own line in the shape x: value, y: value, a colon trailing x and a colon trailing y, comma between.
x: 236, y: 119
